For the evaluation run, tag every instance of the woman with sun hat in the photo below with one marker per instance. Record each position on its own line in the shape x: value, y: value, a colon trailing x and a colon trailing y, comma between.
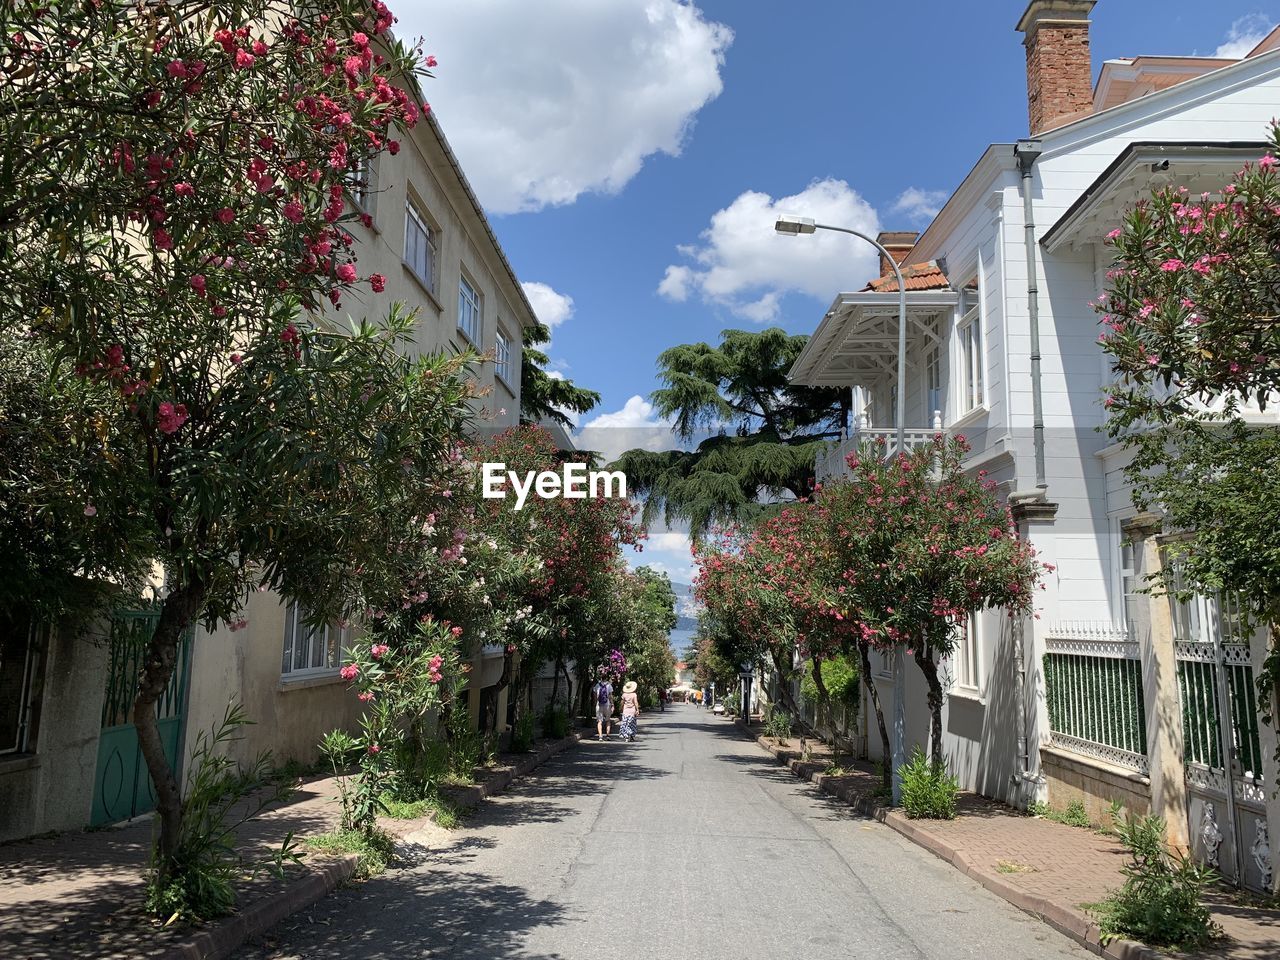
x: 630, y: 710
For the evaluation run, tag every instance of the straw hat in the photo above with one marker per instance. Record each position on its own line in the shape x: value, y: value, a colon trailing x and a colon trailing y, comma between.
x: 629, y: 687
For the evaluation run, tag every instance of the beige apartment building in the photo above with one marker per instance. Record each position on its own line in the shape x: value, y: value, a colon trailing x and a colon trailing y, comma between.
x: 70, y: 758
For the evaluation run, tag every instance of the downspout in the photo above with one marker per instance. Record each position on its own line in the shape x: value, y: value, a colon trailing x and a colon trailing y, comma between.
x: 1027, y: 152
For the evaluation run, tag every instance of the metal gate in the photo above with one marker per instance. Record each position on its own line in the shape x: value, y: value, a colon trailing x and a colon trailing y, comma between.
x: 1222, y: 753
x: 122, y: 786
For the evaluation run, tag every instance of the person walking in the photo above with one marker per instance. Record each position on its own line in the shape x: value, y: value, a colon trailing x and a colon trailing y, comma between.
x: 604, y: 707
x: 630, y: 711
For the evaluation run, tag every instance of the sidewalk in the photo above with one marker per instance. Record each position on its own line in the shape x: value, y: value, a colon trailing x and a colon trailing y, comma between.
x: 1047, y: 869
x: 80, y: 894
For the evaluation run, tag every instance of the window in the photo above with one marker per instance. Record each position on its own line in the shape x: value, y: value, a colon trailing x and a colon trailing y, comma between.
x: 311, y: 650
x: 969, y: 333
x: 421, y: 247
x: 470, y: 320
x: 966, y: 656
x: 1129, y: 585
x: 360, y: 184
x: 502, y: 357
x: 20, y: 672
x: 933, y: 383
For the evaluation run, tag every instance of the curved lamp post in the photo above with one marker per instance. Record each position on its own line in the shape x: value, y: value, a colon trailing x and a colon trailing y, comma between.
x: 794, y: 226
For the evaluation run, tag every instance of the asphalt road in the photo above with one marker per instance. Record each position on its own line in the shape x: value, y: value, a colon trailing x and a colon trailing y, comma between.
x: 687, y: 843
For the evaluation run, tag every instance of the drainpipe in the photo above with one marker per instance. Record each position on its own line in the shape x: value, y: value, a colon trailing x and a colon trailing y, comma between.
x: 1027, y: 152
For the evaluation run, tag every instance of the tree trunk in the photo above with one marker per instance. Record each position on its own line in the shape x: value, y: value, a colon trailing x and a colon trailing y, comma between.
x: 555, y: 680
x: 864, y: 658
x: 930, y: 670
x: 824, y: 703
x: 177, y: 612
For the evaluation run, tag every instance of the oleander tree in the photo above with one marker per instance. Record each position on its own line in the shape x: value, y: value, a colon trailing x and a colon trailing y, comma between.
x: 173, y: 240
x: 913, y: 545
x: 1191, y: 319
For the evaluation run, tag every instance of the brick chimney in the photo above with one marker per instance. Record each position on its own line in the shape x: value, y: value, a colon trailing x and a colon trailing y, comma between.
x: 898, y: 243
x: 1059, y: 71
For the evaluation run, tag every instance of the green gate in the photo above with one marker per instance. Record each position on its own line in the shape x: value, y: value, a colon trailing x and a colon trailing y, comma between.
x: 122, y: 787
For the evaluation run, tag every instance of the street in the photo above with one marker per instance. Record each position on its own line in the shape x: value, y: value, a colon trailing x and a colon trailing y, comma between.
x: 688, y: 842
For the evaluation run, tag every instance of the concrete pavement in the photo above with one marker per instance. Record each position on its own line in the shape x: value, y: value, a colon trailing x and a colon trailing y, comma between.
x: 688, y: 842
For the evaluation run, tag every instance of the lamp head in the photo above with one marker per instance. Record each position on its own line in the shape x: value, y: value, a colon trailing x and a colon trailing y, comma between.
x: 793, y: 226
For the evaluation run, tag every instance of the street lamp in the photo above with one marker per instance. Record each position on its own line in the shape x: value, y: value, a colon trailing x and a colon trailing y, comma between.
x: 794, y: 226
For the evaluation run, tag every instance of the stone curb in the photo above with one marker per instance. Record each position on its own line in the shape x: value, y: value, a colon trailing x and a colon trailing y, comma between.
x: 1067, y: 920
x: 223, y: 938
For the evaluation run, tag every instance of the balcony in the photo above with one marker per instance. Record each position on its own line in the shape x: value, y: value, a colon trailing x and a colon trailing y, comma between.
x: 830, y: 463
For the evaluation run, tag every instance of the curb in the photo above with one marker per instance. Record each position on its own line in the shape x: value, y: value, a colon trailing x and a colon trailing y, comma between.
x: 1068, y: 921
x: 224, y: 937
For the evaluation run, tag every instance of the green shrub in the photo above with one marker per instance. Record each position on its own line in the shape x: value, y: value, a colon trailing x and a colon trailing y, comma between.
x: 443, y: 812
x: 778, y: 726
x: 839, y: 676
x: 360, y: 794
x: 555, y: 722
x: 1160, y: 900
x: 928, y: 791
x: 1074, y: 815
x: 201, y: 881
x: 523, y: 733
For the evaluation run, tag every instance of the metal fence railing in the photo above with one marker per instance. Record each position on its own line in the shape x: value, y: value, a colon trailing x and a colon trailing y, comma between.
x: 1093, y: 686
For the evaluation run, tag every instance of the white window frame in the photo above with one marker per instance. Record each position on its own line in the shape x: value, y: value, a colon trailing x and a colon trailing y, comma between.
x: 502, y: 356
x: 470, y: 311
x: 28, y: 690
x: 422, y: 247
x: 933, y: 398
x: 967, y: 665
x: 1126, y: 575
x: 361, y: 183
x: 311, y: 651
x: 971, y: 361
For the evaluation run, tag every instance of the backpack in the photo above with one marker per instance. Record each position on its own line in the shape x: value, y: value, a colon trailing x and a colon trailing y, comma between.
x: 602, y: 694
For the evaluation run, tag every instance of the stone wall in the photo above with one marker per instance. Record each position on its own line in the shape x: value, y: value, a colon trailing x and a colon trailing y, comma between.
x: 1095, y: 783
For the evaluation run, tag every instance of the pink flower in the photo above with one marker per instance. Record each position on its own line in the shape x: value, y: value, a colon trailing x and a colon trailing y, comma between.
x: 184, y: 189
x: 1114, y: 234
x: 290, y: 335
x: 349, y: 671
x: 198, y: 284
x: 374, y: 748
x: 238, y: 625
x: 378, y: 649
x: 364, y: 697
x: 259, y: 47
x: 431, y: 62
x: 177, y: 68
x: 236, y: 359
x: 244, y: 60
x: 90, y: 510
x: 393, y: 147
x: 292, y: 211
x: 170, y: 418
x: 225, y: 215
x: 161, y: 238
x: 346, y: 273
x: 378, y: 282
x: 1267, y: 162
x: 1172, y: 265
x: 265, y: 183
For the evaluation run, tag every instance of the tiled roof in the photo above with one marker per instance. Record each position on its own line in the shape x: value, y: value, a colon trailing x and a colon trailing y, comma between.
x: 919, y: 276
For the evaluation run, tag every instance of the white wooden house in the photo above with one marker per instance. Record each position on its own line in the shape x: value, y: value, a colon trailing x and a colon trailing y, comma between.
x: 1110, y: 695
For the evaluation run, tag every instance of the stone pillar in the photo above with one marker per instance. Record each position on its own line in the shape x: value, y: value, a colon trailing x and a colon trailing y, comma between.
x: 1153, y: 630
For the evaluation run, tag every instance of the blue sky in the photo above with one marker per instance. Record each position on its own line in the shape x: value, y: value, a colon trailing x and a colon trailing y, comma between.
x: 632, y: 153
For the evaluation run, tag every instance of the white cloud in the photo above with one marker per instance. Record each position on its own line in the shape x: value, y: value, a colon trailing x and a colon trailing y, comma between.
x: 634, y: 426
x: 1243, y: 35
x: 551, y: 308
x: 667, y: 551
x: 920, y: 205
x: 675, y: 283
x: 546, y: 101
x: 741, y: 263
